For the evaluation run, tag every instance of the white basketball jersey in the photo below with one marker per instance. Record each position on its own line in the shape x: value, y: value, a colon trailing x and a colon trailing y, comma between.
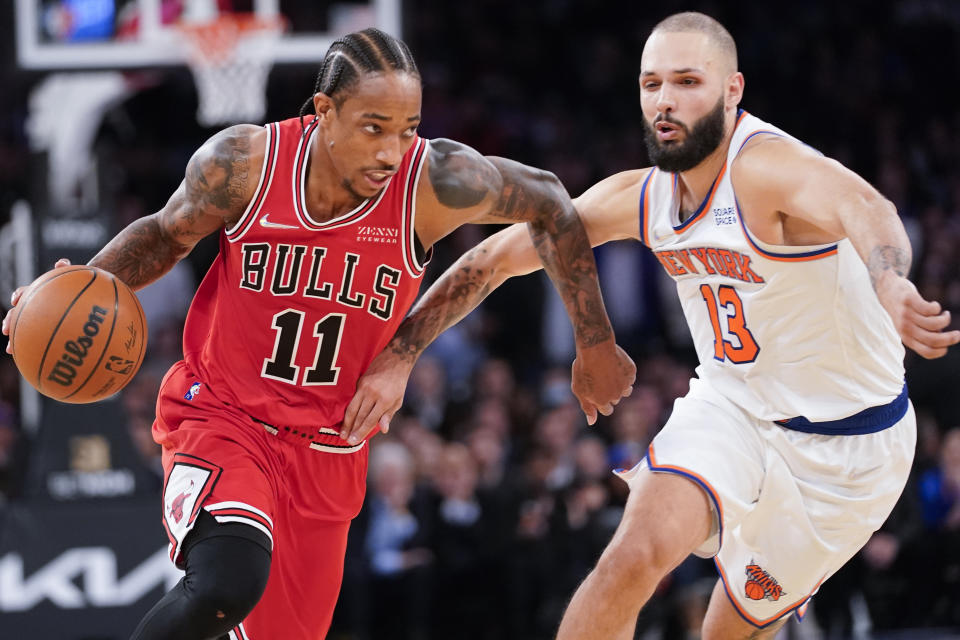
x: 782, y: 331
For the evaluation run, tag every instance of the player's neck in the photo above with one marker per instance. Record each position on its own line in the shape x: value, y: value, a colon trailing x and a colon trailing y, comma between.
x: 326, y: 196
x: 694, y: 185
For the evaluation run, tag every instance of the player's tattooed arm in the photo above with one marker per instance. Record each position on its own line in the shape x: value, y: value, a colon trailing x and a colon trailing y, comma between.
x: 499, y: 190
x: 888, y: 258
x: 457, y: 292
x: 466, y: 187
x: 219, y: 182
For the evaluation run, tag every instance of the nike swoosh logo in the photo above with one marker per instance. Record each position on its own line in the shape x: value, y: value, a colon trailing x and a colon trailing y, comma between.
x: 274, y: 225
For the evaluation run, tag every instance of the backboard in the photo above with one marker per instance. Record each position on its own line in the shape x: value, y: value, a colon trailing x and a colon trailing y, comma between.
x: 130, y: 34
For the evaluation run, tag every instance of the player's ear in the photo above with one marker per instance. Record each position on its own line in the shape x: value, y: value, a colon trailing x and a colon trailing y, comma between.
x: 734, y: 91
x: 323, y: 105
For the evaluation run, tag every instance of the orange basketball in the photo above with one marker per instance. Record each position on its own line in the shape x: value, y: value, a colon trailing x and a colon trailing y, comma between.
x: 78, y: 334
x: 754, y: 590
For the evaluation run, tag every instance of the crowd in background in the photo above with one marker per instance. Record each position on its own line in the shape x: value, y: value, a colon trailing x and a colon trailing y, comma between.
x: 490, y: 499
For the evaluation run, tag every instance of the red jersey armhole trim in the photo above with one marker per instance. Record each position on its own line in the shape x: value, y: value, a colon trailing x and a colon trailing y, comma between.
x: 266, y: 179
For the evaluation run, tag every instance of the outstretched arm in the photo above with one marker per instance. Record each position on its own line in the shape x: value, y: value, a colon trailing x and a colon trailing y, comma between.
x: 608, y: 212
x: 782, y: 175
x: 219, y: 182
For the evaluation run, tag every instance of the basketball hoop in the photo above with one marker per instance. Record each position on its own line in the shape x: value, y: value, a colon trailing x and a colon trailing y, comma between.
x: 230, y: 58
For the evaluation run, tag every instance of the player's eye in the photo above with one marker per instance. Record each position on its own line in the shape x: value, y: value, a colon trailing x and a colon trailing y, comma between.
x: 372, y: 128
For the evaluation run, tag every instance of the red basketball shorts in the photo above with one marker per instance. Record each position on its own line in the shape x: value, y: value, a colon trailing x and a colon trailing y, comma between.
x: 300, y: 490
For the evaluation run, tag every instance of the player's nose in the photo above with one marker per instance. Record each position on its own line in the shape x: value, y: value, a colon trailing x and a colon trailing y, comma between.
x: 666, y: 100
x: 389, y: 154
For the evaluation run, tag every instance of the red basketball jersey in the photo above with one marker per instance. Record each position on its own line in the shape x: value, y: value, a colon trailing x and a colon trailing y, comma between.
x: 292, y: 310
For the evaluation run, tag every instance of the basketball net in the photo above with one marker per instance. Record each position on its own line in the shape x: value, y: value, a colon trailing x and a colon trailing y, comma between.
x: 230, y: 58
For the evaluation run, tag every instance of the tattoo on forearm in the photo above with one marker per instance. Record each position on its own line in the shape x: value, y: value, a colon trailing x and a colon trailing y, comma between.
x: 139, y: 254
x: 556, y: 230
x: 450, y: 298
x: 887, y: 258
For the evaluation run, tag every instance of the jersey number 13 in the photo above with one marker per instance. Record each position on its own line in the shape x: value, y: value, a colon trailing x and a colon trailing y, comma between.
x: 745, y: 349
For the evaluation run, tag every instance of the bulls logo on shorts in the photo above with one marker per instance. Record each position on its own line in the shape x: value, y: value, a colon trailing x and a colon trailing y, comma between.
x: 188, y: 484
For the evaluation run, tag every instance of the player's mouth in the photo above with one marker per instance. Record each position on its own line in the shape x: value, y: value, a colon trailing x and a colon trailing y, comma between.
x: 667, y: 131
x: 378, y: 179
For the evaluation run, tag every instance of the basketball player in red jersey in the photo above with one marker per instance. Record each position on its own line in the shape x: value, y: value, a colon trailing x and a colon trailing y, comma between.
x: 326, y: 224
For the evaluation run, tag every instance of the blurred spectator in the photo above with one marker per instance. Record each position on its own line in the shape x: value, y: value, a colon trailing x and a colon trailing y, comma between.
x: 426, y: 394
x: 465, y: 545
x: 395, y: 545
x: 940, y: 487
x: 555, y: 434
x: 633, y: 425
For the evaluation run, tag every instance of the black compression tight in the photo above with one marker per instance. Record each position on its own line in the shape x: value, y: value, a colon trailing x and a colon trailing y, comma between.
x: 225, y: 577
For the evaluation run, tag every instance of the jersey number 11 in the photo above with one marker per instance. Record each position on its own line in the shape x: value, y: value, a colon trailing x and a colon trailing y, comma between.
x: 328, y: 332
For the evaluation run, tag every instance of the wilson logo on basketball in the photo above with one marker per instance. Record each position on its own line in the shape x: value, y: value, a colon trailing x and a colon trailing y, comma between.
x: 761, y: 584
x: 74, y: 351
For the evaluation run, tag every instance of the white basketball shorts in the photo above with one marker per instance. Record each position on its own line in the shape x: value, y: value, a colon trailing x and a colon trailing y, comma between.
x: 791, y: 507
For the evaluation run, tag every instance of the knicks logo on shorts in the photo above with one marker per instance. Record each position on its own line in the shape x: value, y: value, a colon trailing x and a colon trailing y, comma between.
x: 761, y: 584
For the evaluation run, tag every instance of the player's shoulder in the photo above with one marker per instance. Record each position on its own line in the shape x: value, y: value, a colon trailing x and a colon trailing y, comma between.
x: 459, y: 175
x: 765, y: 157
x: 228, y: 163
x: 240, y: 146
x: 625, y: 184
x: 452, y: 155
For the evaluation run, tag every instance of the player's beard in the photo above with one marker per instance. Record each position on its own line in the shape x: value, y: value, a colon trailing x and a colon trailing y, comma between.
x: 672, y: 156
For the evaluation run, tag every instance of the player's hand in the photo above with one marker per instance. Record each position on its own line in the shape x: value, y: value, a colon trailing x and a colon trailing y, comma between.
x: 15, y: 298
x: 602, y: 375
x: 919, y: 322
x: 379, y: 394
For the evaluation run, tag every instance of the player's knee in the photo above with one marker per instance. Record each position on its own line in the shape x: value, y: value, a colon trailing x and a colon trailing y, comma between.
x: 230, y: 598
x: 226, y: 577
x: 635, y: 562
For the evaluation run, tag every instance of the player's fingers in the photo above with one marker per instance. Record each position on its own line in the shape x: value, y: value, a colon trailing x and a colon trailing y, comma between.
x: 589, y: 410
x: 367, y: 421
x: 927, y: 307
x: 16, y: 295
x: 385, y: 422
x: 930, y: 322
x: 62, y: 262
x: 606, y: 409
x: 353, y: 409
x: 935, y: 344
x: 626, y: 392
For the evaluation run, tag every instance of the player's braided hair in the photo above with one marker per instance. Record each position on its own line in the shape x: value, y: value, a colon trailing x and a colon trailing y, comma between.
x: 353, y: 55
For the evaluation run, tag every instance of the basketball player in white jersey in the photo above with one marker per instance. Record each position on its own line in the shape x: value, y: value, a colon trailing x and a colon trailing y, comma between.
x: 796, y: 438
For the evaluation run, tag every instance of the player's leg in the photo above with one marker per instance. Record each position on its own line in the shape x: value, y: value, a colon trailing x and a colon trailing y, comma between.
x: 722, y: 621
x: 666, y: 518
x: 227, y: 566
x: 218, y: 500
x: 308, y: 551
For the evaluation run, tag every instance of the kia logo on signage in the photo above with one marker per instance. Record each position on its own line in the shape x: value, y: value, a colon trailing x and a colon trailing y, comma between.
x: 82, y: 577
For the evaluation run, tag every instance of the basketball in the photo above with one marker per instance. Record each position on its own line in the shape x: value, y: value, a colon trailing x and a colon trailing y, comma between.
x: 754, y: 590
x: 78, y: 334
